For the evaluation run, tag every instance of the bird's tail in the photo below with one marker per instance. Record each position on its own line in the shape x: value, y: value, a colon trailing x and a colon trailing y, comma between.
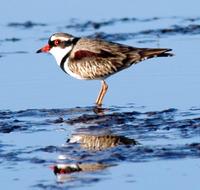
x: 147, y: 53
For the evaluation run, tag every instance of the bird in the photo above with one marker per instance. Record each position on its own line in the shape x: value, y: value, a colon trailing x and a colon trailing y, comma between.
x: 88, y: 58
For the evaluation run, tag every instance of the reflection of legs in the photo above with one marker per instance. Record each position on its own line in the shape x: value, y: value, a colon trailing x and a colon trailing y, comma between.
x: 104, y: 88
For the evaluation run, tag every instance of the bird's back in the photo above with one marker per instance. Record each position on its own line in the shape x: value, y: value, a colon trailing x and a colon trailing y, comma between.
x: 97, y: 59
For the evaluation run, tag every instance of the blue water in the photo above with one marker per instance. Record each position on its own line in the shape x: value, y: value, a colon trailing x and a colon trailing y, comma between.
x: 155, y: 102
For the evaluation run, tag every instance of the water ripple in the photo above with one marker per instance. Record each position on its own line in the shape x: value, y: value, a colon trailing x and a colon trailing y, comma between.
x: 25, y: 25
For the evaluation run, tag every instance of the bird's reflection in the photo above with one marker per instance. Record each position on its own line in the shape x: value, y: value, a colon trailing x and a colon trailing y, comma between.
x: 85, y: 143
x: 63, y: 171
x: 100, y: 142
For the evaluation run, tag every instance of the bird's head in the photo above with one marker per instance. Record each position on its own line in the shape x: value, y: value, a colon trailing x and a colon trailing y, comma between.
x: 59, y: 45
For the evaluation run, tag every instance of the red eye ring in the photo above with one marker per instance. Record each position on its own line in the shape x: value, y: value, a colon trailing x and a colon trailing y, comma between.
x: 56, y: 42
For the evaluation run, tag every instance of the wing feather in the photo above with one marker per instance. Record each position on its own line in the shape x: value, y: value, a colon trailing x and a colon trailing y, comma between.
x: 95, y: 58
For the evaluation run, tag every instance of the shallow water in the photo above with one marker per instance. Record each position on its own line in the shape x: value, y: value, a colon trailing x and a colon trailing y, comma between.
x: 102, y: 146
x: 147, y: 133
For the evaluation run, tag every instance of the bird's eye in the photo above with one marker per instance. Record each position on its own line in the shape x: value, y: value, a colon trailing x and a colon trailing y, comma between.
x: 56, y: 42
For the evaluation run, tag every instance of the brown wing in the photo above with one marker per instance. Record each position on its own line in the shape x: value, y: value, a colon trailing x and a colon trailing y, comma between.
x: 92, y: 59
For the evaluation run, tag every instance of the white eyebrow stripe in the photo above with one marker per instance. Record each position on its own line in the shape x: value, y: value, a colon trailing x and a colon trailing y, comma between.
x: 60, y: 38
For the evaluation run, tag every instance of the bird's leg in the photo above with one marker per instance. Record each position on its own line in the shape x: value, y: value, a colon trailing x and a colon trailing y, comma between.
x: 101, y: 91
x: 104, y: 88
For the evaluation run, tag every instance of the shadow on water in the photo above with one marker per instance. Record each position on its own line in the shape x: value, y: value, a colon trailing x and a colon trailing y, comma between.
x: 96, y: 141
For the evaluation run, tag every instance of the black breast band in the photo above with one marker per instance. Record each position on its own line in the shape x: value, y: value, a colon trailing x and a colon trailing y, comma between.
x: 62, y: 63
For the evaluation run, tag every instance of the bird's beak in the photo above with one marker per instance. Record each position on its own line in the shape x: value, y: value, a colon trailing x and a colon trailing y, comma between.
x: 45, y: 49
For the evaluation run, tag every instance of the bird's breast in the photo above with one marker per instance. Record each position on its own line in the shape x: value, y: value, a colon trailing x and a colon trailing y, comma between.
x: 72, y: 71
